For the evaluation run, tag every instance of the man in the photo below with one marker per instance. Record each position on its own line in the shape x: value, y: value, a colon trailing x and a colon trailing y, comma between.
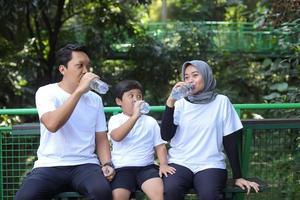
x: 73, y: 125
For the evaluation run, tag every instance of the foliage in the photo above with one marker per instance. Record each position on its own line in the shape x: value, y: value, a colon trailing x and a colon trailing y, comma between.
x: 121, y: 47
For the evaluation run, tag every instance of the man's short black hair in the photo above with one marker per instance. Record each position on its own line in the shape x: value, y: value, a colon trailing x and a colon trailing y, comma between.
x: 125, y: 86
x: 64, y: 55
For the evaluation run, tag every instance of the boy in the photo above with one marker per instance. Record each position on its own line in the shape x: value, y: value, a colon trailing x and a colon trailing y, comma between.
x: 134, y: 137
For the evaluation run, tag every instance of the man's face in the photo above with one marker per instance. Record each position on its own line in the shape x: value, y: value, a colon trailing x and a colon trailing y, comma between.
x: 77, y: 67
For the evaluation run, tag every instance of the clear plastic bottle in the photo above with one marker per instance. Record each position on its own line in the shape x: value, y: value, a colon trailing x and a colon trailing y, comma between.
x: 99, y: 86
x: 183, y: 91
x: 144, y: 107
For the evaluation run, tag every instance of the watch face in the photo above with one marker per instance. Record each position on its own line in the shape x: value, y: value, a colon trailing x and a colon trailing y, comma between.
x: 108, y: 164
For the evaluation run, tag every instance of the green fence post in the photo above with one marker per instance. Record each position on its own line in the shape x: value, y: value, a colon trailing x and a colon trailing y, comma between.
x: 246, y: 151
x: 1, y: 170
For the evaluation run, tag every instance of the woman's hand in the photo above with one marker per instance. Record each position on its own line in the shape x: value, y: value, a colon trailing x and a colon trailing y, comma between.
x: 170, y: 101
x: 245, y: 184
x: 165, y: 170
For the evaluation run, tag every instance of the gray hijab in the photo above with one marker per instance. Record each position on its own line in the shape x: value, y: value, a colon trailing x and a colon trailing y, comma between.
x: 208, y: 94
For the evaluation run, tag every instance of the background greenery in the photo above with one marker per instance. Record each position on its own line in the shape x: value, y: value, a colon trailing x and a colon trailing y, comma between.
x: 32, y: 31
x: 121, y: 37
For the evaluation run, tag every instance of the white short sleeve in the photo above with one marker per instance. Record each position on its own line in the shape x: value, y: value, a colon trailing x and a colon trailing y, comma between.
x: 231, y: 121
x: 45, y: 101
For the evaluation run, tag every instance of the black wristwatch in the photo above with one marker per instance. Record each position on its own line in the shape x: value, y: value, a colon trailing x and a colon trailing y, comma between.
x: 109, y: 163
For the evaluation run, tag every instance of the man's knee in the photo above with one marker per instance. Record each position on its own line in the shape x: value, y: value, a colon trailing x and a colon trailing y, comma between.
x: 100, y: 193
x: 24, y: 194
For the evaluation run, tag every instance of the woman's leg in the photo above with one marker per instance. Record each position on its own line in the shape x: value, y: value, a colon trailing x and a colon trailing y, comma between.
x: 209, y: 183
x: 177, y: 185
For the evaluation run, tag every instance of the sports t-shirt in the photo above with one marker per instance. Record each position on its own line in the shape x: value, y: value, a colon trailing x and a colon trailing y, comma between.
x: 74, y: 142
x: 137, y: 148
x: 198, y: 141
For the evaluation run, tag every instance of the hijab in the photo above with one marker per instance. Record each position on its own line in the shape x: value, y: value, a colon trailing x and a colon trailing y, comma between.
x: 208, y: 94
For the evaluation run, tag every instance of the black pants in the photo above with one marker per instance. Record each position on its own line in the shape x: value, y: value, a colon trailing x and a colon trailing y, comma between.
x: 208, y: 184
x: 45, y: 182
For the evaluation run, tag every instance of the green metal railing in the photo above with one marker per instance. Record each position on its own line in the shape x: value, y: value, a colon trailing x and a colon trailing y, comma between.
x: 241, y: 37
x: 266, y: 141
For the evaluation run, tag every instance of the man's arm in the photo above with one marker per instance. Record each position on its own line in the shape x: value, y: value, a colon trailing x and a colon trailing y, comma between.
x: 104, y: 155
x: 103, y: 147
x: 55, y: 119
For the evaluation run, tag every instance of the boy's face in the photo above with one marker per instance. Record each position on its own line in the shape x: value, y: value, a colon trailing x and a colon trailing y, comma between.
x: 128, y: 100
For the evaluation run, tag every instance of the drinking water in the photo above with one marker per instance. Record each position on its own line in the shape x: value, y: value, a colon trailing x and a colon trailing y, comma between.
x: 99, y: 86
x: 182, y: 91
x: 144, y: 108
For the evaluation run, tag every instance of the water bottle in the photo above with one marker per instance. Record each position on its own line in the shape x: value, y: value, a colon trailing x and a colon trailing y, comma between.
x: 182, y: 91
x: 99, y: 86
x: 144, y: 107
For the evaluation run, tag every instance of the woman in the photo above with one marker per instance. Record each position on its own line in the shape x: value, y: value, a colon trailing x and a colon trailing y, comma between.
x: 199, y: 127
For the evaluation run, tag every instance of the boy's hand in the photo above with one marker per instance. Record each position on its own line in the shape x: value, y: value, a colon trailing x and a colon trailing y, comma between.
x: 136, y: 109
x: 165, y: 170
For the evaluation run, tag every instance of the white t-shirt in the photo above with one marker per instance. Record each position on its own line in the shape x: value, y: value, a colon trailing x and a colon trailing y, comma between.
x: 198, y: 141
x: 74, y: 142
x: 137, y: 148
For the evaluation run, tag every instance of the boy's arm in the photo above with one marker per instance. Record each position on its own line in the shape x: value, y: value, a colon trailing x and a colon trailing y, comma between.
x: 162, y: 156
x: 121, y: 132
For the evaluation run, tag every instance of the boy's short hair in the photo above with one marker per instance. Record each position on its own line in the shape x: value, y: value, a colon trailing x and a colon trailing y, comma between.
x: 125, y: 86
x: 64, y: 55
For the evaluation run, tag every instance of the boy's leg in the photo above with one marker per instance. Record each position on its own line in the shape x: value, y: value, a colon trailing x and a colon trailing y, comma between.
x: 121, y: 194
x: 124, y: 183
x: 43, y: 183
x: 209, y: 183
x: 89, y: 180
x: 177, y: 185
x: 149, y: 181
x: 153, y: 188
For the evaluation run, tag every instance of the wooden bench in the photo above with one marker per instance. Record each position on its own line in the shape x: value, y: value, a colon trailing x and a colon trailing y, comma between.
x: 229, y: 192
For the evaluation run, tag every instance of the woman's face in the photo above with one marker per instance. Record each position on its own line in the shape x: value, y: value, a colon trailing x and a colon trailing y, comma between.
x: 192, y: 75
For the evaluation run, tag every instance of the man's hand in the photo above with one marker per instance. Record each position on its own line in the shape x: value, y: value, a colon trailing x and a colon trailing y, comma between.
x: 108, y: 172
x: 84, y: 84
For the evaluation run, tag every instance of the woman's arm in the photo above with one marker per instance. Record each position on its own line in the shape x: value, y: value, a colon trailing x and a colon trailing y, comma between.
x: 168, y: 128
x: 231, y: 149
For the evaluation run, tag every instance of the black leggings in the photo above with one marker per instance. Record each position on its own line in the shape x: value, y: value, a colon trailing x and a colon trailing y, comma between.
x: 208, y: 184
x: 45, y: 182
